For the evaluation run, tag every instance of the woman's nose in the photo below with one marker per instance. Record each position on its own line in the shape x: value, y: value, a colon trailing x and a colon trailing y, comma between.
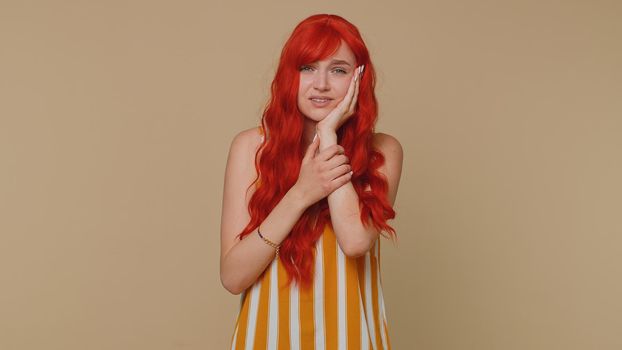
x: 320, y: 81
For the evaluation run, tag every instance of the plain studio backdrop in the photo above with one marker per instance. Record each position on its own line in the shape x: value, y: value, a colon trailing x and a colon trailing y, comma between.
x: 116, y: 118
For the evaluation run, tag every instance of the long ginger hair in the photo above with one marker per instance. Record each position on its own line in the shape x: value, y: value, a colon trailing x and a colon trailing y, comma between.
x: 279, y: 158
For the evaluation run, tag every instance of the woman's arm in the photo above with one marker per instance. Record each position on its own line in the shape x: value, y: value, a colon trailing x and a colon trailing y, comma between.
x: 354, y: 238
x: 243, y: 261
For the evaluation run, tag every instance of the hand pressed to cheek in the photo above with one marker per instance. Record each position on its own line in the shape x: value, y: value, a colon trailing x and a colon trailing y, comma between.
x: 346, y: 107
x: 354, y: 91
x: 357, y: 82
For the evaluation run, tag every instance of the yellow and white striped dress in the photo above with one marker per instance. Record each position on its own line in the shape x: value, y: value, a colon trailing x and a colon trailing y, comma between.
x: 343, y: 309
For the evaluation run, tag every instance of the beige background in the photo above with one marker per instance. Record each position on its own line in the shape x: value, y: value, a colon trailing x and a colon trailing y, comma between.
x: 116, y: 118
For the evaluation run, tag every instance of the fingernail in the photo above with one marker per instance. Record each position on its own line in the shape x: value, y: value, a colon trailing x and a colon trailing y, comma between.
x: 314, y: 137
x: 351, y: 172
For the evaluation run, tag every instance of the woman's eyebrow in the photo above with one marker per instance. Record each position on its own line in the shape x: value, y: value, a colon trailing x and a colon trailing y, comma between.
x: 340, y: 62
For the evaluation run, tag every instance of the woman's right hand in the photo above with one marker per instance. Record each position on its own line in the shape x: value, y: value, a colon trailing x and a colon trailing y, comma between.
x: 322, y: 173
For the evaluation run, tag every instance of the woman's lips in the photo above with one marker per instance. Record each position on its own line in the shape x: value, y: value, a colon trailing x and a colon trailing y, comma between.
x: 319, y: 102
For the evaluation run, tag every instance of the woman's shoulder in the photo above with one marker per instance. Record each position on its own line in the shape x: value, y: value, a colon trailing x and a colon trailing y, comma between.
x: 249, y: 138
x: 386, y: 143
x: 393, y: 154
x: 243, y: 149
x: 242, y: 156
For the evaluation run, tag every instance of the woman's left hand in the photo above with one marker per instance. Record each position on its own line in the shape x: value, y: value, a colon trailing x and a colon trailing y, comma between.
x: 333, y: 121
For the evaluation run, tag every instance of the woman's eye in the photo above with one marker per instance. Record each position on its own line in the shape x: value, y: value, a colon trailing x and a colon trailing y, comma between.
x: 309, y: 68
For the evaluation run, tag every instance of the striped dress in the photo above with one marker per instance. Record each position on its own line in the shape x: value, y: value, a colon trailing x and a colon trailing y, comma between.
x: 343, y: 309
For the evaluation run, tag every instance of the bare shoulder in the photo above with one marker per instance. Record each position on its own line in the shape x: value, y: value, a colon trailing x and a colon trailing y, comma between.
x: 388, y: 145
x: 393, y: 154
x: 241, y: 170
x: 248, y: 139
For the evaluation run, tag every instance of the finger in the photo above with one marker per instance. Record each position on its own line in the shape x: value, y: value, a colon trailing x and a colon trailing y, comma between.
x: 352, y: 106
x: 357, y: 89
x: 339, y: 171
x: 353, y: 83
x: 336, y: 161
x: 359, y: 74
x: 312, y: 148
x: 353, y: 97
x: 345, y: 103
x: 343, y: 107
x: 330, y: 152
x: 341, y: 180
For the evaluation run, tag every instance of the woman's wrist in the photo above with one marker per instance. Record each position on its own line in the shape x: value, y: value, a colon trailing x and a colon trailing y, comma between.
x: 327, y: 137
x: 296, y: 198
x: 324, y: 129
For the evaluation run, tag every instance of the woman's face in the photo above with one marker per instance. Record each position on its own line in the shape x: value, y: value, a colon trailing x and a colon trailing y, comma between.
x: 323, y: 84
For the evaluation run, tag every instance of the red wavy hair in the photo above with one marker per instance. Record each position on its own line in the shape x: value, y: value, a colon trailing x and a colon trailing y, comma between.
x: 279, y: 158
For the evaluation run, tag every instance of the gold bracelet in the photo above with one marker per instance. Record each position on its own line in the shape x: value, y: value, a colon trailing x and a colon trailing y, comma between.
x: 269, y: 242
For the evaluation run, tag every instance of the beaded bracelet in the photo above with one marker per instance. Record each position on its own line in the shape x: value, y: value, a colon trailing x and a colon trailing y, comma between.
x: 269, y: 242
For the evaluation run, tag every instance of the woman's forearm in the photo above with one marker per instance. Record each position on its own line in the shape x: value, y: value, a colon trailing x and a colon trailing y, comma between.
x: 249, y: 257
x: 352, y: 236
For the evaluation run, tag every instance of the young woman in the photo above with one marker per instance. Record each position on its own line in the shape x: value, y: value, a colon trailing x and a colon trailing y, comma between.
x: 306, y: 196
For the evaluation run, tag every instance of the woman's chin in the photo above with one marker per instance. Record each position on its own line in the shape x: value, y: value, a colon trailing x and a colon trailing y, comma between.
x: 316, y: 117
